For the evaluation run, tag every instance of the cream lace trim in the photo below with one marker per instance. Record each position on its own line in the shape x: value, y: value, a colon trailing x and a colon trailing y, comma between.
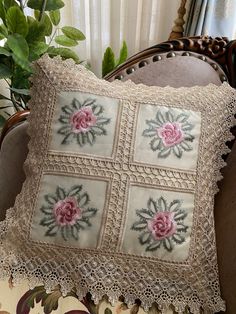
x: 193, y: 284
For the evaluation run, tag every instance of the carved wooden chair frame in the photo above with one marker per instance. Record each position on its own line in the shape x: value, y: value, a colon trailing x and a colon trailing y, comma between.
x: 220, y: 50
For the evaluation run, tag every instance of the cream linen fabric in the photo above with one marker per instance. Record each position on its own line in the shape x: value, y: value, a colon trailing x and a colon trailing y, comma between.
x: 97, y: 213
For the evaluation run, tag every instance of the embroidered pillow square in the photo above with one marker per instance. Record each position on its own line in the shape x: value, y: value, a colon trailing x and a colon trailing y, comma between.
x: 119, y: 191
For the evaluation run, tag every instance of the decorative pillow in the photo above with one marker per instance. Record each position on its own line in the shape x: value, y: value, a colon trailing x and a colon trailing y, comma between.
x: 120, y: 189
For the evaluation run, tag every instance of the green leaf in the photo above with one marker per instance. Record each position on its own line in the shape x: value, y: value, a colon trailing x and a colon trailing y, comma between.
x: 46, y: 22
x: 123, y: 54
x: 2, y: 121
x: 5, y: 72
x: 18, y: 45
x: 65, y: 53
x: 36, y: 31
x: 23, y: 63
x: 108, y: 62
x: 4, y: 52
x: 51, y: 5
x: 20, y: 91
x: 16, y: 21
x: 55, y: 17
x: 3, y: 30
x: 2, y: 12
x: 73, y: 33
x: 38, y: 48
x: 65, y: 41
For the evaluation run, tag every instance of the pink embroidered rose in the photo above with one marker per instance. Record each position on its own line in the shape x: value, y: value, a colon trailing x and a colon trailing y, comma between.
x: 82, y: 120
x: 162, y: 225
x: 170, y: 133
x: 67, y: 211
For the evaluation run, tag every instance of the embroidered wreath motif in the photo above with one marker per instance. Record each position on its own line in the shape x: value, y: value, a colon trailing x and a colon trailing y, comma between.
x: 82, y: 122
x: 161, y: 225
x: 67, y: 213
x: 170, y: 134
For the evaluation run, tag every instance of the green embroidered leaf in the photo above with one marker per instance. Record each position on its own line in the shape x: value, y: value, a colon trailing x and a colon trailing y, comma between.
x: 185, y: 146
x: 74, y: 191
x: 46, y: 209
x: 174, y: 206
x: 152, y: 205
x: 64, y: 119
x: 152, y: 247
x: 162, y: 204
x: 160, y: 118
x: 168, y: 244
x: 76, y: 104
x: 149, y: 132
x: 64, y: 233
x: 89, y: 102
x: 83, y: 200
x: 68, y: 139
x: 156, y: 144
x: 169, y: 116
x: 139, y: 225
x: 83, y: 224
x: 97, y: 109
x: 74, y: 233
x: 47, y: 221
x: 145, y: 237
x: 64, y: 130
x: 187, y: 126
x: 99, y: 130
x: 102, y: 121
x: 52, y: 231
x: 181, y: 227
x: 188, y: 137
x: 144, y: 213
x: 89, y: 212
x: 90, y: 138
x: 61, y: 194
x: 164, y: 152
x: 153, y: 123
x: 68, y: 109
x: 182, y: 117
x: 178, y: 238
x: 180, y: 215
x: 177, y: 151
x: 51, y: 199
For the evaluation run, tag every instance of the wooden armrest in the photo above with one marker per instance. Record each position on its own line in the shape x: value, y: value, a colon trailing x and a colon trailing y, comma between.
x: 16, y: 118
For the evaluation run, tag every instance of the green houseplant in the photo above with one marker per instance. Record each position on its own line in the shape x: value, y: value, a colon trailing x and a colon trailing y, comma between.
x: 26, y: 38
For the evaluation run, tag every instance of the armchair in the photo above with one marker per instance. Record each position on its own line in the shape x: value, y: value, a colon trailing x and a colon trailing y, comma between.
x: 182, y: 62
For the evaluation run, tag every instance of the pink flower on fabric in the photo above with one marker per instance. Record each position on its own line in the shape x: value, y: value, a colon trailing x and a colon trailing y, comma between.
x: 171, y: 134
x: 82, y: 120
x: 67, y: 211
x: 162, y: 225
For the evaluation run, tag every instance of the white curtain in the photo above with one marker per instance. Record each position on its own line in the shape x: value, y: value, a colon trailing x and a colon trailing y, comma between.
x: 141, y: 23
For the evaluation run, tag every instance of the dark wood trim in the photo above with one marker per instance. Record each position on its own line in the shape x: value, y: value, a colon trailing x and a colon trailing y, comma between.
x: 16, y: 118
x: 219, y: 49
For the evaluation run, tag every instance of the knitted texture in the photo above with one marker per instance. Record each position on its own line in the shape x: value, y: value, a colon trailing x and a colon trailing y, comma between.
x: 119, y: 191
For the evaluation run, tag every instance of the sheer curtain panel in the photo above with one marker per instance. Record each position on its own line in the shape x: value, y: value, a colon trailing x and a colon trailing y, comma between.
x: 141, y: 23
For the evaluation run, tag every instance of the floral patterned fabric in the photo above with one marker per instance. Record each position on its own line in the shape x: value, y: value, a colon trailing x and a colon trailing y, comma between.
x: 119, y: 193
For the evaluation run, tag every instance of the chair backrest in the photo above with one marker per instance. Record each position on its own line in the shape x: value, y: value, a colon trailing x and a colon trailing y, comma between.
x: 206, y: 60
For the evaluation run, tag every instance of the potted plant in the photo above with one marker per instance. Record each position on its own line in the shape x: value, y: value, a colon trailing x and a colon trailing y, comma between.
x: 26, y: 38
